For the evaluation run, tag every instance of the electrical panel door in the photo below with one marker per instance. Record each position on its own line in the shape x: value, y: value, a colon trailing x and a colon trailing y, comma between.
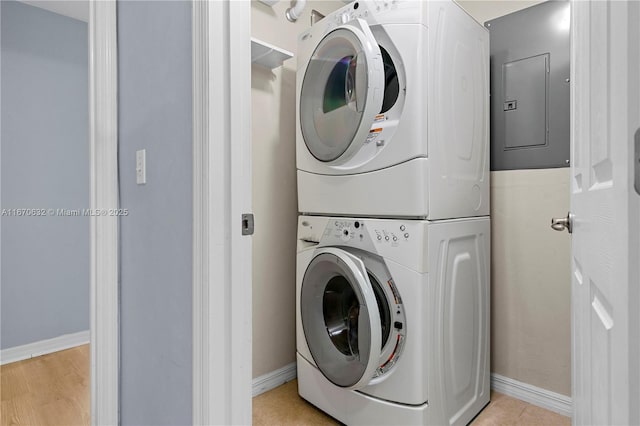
x: 530, y: 88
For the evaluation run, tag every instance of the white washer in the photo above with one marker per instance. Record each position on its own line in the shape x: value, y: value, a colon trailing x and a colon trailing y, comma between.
x: 392, y: 117
x: 393, y: 319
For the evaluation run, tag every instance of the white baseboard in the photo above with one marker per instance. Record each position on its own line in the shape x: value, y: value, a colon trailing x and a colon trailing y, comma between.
x: 549, y: 400
x: 43, y: 347
x: 274, y: 379
x: 552, y: 401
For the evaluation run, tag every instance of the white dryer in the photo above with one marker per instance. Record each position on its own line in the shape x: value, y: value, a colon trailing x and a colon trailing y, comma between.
x: 392, y: 116
x: 393, y: 319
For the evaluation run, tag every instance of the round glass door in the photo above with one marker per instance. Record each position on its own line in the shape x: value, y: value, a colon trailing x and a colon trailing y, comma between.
x: 340, y: 318
x: 337, y: 102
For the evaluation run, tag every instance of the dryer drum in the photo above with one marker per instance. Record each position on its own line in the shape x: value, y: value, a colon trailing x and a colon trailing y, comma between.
x: 391, y: 83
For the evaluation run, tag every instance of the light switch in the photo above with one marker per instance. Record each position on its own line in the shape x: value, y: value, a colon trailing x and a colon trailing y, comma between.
x: 141, y: 167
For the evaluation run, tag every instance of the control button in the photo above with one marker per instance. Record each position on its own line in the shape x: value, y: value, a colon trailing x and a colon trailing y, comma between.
x: 395, y: 238
x: 398, y: 325
x: 402, y: 227
x: 357, y: 225
x: 386, y: 238
x: 379, y: 237
x: 406, y: 235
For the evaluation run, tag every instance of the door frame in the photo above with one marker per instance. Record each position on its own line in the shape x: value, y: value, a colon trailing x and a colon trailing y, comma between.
x: 222, y: 309
x: 103, y: 151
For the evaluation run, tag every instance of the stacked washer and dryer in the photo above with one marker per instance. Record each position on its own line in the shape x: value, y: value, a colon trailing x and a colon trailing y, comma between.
x: 393, y: 247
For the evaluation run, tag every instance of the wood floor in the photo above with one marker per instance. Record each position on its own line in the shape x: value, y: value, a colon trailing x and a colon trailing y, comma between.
x: 47, y: 390
x: 282, y: 406
x: 54, y: 390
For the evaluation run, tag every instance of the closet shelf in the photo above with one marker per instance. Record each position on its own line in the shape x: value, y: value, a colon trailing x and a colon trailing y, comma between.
x: 267, y: 55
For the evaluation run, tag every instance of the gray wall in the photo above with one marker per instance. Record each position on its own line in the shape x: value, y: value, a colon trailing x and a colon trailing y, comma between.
x: 45, y: 164
x: 154, y: 54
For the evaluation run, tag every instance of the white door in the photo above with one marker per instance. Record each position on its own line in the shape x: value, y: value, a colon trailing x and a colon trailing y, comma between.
x: 605, y: 296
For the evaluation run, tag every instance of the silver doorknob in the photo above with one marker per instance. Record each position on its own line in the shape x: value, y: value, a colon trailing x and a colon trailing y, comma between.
x: 562, y: 223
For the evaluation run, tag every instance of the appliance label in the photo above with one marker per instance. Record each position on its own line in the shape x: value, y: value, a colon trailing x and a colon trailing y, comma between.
x: 373, y: 134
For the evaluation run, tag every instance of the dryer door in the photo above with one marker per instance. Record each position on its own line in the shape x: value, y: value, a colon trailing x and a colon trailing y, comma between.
x: 342, y: 92
x: 340, y: 318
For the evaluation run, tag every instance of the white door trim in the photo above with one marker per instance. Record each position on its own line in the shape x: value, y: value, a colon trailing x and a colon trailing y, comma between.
x: 221, y: 193
x: 103, y: 140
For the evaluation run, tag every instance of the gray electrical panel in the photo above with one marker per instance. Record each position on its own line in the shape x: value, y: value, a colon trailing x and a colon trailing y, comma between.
x: 530, y: 87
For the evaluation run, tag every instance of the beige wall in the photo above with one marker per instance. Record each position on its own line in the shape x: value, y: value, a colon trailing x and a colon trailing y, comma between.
x: 530, y: 266
x: 530, y: 278
x: 274, y: 187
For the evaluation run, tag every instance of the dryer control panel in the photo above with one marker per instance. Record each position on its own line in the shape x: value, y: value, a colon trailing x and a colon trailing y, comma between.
x: 368, y: 9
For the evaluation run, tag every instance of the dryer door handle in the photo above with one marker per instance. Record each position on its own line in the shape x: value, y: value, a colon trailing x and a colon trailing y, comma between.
x: 365, y: 69
x: 360, y: 88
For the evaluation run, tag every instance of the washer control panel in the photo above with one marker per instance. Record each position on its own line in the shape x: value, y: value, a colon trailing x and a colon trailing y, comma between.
x: 349, y: 231
x: 345, y: 230
x: 393, y: 234
x: 403, y: 241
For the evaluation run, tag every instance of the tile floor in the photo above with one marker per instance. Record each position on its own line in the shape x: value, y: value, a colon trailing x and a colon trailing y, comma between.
x: 283, y: 406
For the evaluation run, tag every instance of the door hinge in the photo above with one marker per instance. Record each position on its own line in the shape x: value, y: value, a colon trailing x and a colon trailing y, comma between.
x: 247, y: 224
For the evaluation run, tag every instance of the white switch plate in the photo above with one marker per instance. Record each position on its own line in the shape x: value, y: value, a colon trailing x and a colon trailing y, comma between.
x: 141, y: 167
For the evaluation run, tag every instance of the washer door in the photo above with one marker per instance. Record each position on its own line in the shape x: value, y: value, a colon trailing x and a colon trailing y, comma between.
x: 340, y: 318
x: 341, y: 92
